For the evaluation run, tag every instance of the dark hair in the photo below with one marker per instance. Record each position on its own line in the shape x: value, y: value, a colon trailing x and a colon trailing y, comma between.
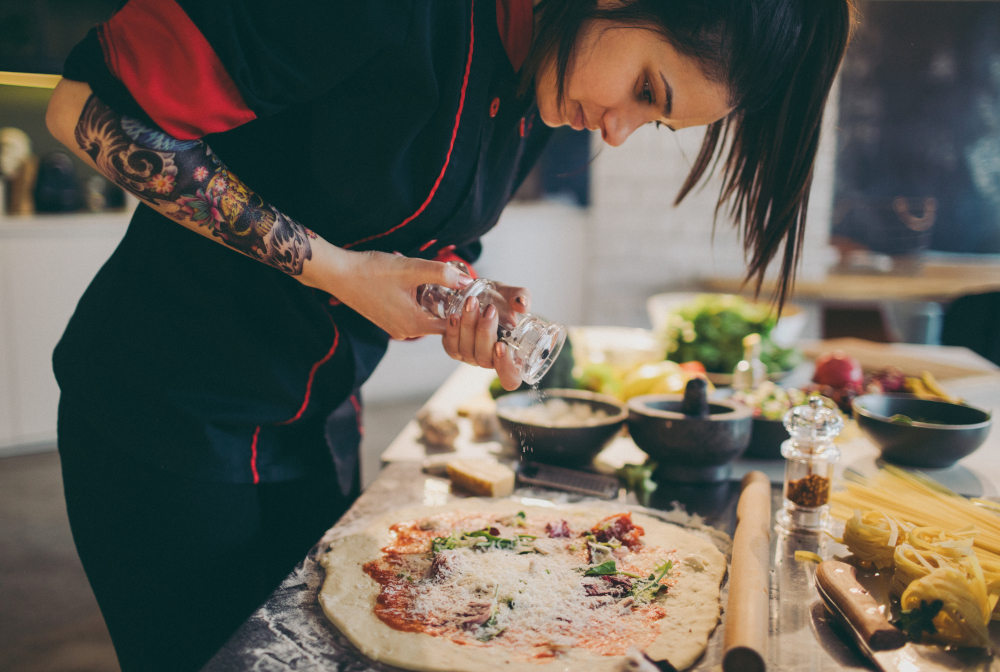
x: 778, y: 59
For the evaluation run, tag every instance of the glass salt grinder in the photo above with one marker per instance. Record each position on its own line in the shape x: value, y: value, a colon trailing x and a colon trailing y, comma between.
x: 810, y: 457
x: 534, y: 343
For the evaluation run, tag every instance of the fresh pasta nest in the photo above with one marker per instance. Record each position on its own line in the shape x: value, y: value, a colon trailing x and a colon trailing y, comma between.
x: 921, y: 530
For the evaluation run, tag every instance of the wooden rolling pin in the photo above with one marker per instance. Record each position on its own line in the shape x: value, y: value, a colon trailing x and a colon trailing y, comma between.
x: 747, y: 616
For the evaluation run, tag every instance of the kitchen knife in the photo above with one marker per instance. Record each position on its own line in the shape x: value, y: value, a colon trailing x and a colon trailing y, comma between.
x: 883, y: 644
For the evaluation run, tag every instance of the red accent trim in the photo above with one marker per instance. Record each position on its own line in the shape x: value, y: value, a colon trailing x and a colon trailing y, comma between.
x: 427, y: 244
x: 494, y: 107
x: 357, y: 414
x: 522, y: 127
x: 516, y: 22
x: 333, y: 301
x: 171, y: 70
x: 312, y: 376
x: 253, y: 456
x: 454, y: 134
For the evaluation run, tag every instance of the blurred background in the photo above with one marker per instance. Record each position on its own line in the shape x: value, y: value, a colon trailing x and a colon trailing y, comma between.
x: 903, y: 245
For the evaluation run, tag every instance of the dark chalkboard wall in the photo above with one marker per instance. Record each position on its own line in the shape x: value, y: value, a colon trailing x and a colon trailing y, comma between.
x: 918, y: 165
x: 37, y: 35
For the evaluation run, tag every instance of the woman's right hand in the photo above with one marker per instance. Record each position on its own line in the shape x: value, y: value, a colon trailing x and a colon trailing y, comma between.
x: 382, y: 287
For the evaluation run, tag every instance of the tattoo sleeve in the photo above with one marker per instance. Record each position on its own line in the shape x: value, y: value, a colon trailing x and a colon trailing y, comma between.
x: 184, y: 180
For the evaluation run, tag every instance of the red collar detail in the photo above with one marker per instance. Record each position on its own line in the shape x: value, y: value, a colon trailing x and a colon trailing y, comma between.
x: 516, y: 22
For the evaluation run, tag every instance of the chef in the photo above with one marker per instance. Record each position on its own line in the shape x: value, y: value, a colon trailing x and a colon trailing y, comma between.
x: 302, y: 168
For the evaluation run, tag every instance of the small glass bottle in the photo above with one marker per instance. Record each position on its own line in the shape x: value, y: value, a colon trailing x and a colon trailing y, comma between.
x: 534, y: 343
x: 810, y: 457
x: 750, y: 372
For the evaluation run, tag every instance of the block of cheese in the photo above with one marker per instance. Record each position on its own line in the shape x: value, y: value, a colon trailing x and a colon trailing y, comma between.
x: 485, y: 478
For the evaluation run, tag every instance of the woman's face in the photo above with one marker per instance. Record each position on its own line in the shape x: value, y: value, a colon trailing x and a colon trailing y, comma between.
x: 623, y: 77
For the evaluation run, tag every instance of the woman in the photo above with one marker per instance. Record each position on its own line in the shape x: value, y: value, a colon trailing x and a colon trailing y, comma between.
x: 210, y: 407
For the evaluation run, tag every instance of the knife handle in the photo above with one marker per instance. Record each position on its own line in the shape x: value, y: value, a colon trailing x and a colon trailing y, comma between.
x: 840, y: 582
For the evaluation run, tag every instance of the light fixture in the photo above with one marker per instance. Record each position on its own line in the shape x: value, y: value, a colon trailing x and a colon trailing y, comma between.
x: 32, y: 79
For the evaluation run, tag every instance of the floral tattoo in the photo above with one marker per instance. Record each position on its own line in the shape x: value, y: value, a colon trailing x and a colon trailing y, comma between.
x: 186, y: 179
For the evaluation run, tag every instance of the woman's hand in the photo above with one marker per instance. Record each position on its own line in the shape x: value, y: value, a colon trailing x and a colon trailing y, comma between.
x: 382, y: 287
x: 472, y: 337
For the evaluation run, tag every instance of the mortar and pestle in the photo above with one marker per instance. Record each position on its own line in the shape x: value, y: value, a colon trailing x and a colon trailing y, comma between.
x: 692, y: 439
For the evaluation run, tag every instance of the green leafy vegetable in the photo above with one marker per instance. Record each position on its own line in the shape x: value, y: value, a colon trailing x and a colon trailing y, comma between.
x: 489, y: 629
x: 603, y: 569
x: 480, y: 540
x: 711, y: 329
x: 916, y: 622
x: 638, y: 478
x: 644, y: 590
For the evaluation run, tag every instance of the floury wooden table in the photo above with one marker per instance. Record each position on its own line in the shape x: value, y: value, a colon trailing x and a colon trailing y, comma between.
x: 290, y: 632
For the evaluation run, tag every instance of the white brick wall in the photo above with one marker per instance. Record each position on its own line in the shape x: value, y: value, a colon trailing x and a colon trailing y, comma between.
x: 639, y: 244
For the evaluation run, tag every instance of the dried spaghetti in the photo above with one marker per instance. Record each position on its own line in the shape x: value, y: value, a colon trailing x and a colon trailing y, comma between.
x: 909, y: 522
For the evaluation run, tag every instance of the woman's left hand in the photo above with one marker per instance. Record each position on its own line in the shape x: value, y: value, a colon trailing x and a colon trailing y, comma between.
x: 472, y: 337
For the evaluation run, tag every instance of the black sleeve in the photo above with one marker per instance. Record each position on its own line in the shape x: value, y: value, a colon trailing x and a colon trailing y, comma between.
x: 196, y: 68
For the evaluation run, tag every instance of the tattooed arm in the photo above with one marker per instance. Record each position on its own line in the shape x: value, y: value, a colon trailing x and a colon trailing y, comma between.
x: 185, y: 181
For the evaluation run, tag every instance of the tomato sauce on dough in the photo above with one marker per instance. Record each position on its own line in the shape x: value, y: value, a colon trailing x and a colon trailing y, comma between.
x: 535, y: 587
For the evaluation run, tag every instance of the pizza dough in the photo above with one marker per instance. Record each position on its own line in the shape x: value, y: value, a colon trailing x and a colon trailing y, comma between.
x: 349, y: 595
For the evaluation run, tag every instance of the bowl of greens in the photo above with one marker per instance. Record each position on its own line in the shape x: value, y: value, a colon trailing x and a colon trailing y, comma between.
x: 921, y: 432
x: 710, y: 328
x: 769, y: 403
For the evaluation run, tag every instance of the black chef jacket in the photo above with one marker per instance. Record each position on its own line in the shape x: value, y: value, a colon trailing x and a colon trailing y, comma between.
x: 380, y: 125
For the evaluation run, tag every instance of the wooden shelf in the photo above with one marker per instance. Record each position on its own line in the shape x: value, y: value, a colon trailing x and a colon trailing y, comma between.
x: 939, y: 281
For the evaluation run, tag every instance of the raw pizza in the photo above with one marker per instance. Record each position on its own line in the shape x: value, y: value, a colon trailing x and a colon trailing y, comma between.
x: 485, y: 585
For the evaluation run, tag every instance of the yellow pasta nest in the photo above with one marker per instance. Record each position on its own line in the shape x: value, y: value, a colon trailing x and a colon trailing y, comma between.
x: 965, y: 611
x: 872, y: 537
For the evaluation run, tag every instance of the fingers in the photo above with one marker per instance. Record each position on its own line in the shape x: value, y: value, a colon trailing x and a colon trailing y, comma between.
x: 486, y: 336
x: 519, y: 298
x: 507, y: 372
x: 470, y: 336
x: 434, y: 272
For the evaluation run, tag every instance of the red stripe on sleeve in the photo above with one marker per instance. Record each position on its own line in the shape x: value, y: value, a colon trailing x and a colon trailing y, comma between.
x: 253, y: 456
x: 171, y: 70
x: 447, y: 158
x: 357, y: 415
x: 312, y: 376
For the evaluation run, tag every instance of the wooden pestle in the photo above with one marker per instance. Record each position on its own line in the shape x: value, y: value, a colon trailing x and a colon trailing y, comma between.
x: 747, y: 616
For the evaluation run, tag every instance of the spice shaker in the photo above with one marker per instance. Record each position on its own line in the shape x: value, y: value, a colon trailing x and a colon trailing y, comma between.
x: 810, y: 457
x: 534, y: 343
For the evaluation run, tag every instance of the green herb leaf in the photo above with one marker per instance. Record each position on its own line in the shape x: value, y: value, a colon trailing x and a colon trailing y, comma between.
x: 603, y: 569
x: 916, y: 622
x: 638, y: 478
x: 644, y: 590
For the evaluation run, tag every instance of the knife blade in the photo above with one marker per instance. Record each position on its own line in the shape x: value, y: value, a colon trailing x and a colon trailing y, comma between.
x: 883, y: 644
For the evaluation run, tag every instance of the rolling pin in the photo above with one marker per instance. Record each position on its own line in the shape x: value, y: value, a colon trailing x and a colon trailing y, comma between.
x: 747, y: 616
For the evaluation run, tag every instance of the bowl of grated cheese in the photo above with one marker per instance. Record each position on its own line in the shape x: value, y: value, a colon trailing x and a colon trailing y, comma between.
x: 564, y: 427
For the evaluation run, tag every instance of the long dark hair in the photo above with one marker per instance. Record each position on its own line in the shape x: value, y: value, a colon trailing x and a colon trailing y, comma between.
x: 778, y: 59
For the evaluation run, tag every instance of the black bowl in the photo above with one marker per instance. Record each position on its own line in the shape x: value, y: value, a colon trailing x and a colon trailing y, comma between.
x: 766, y: 438
x: 941, y: 434
x: 573, y: 446
x: 688, y: 449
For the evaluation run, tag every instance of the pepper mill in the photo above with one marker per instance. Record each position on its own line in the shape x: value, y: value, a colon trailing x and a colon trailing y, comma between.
x: 810, y: 457
x: 534, y: 343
